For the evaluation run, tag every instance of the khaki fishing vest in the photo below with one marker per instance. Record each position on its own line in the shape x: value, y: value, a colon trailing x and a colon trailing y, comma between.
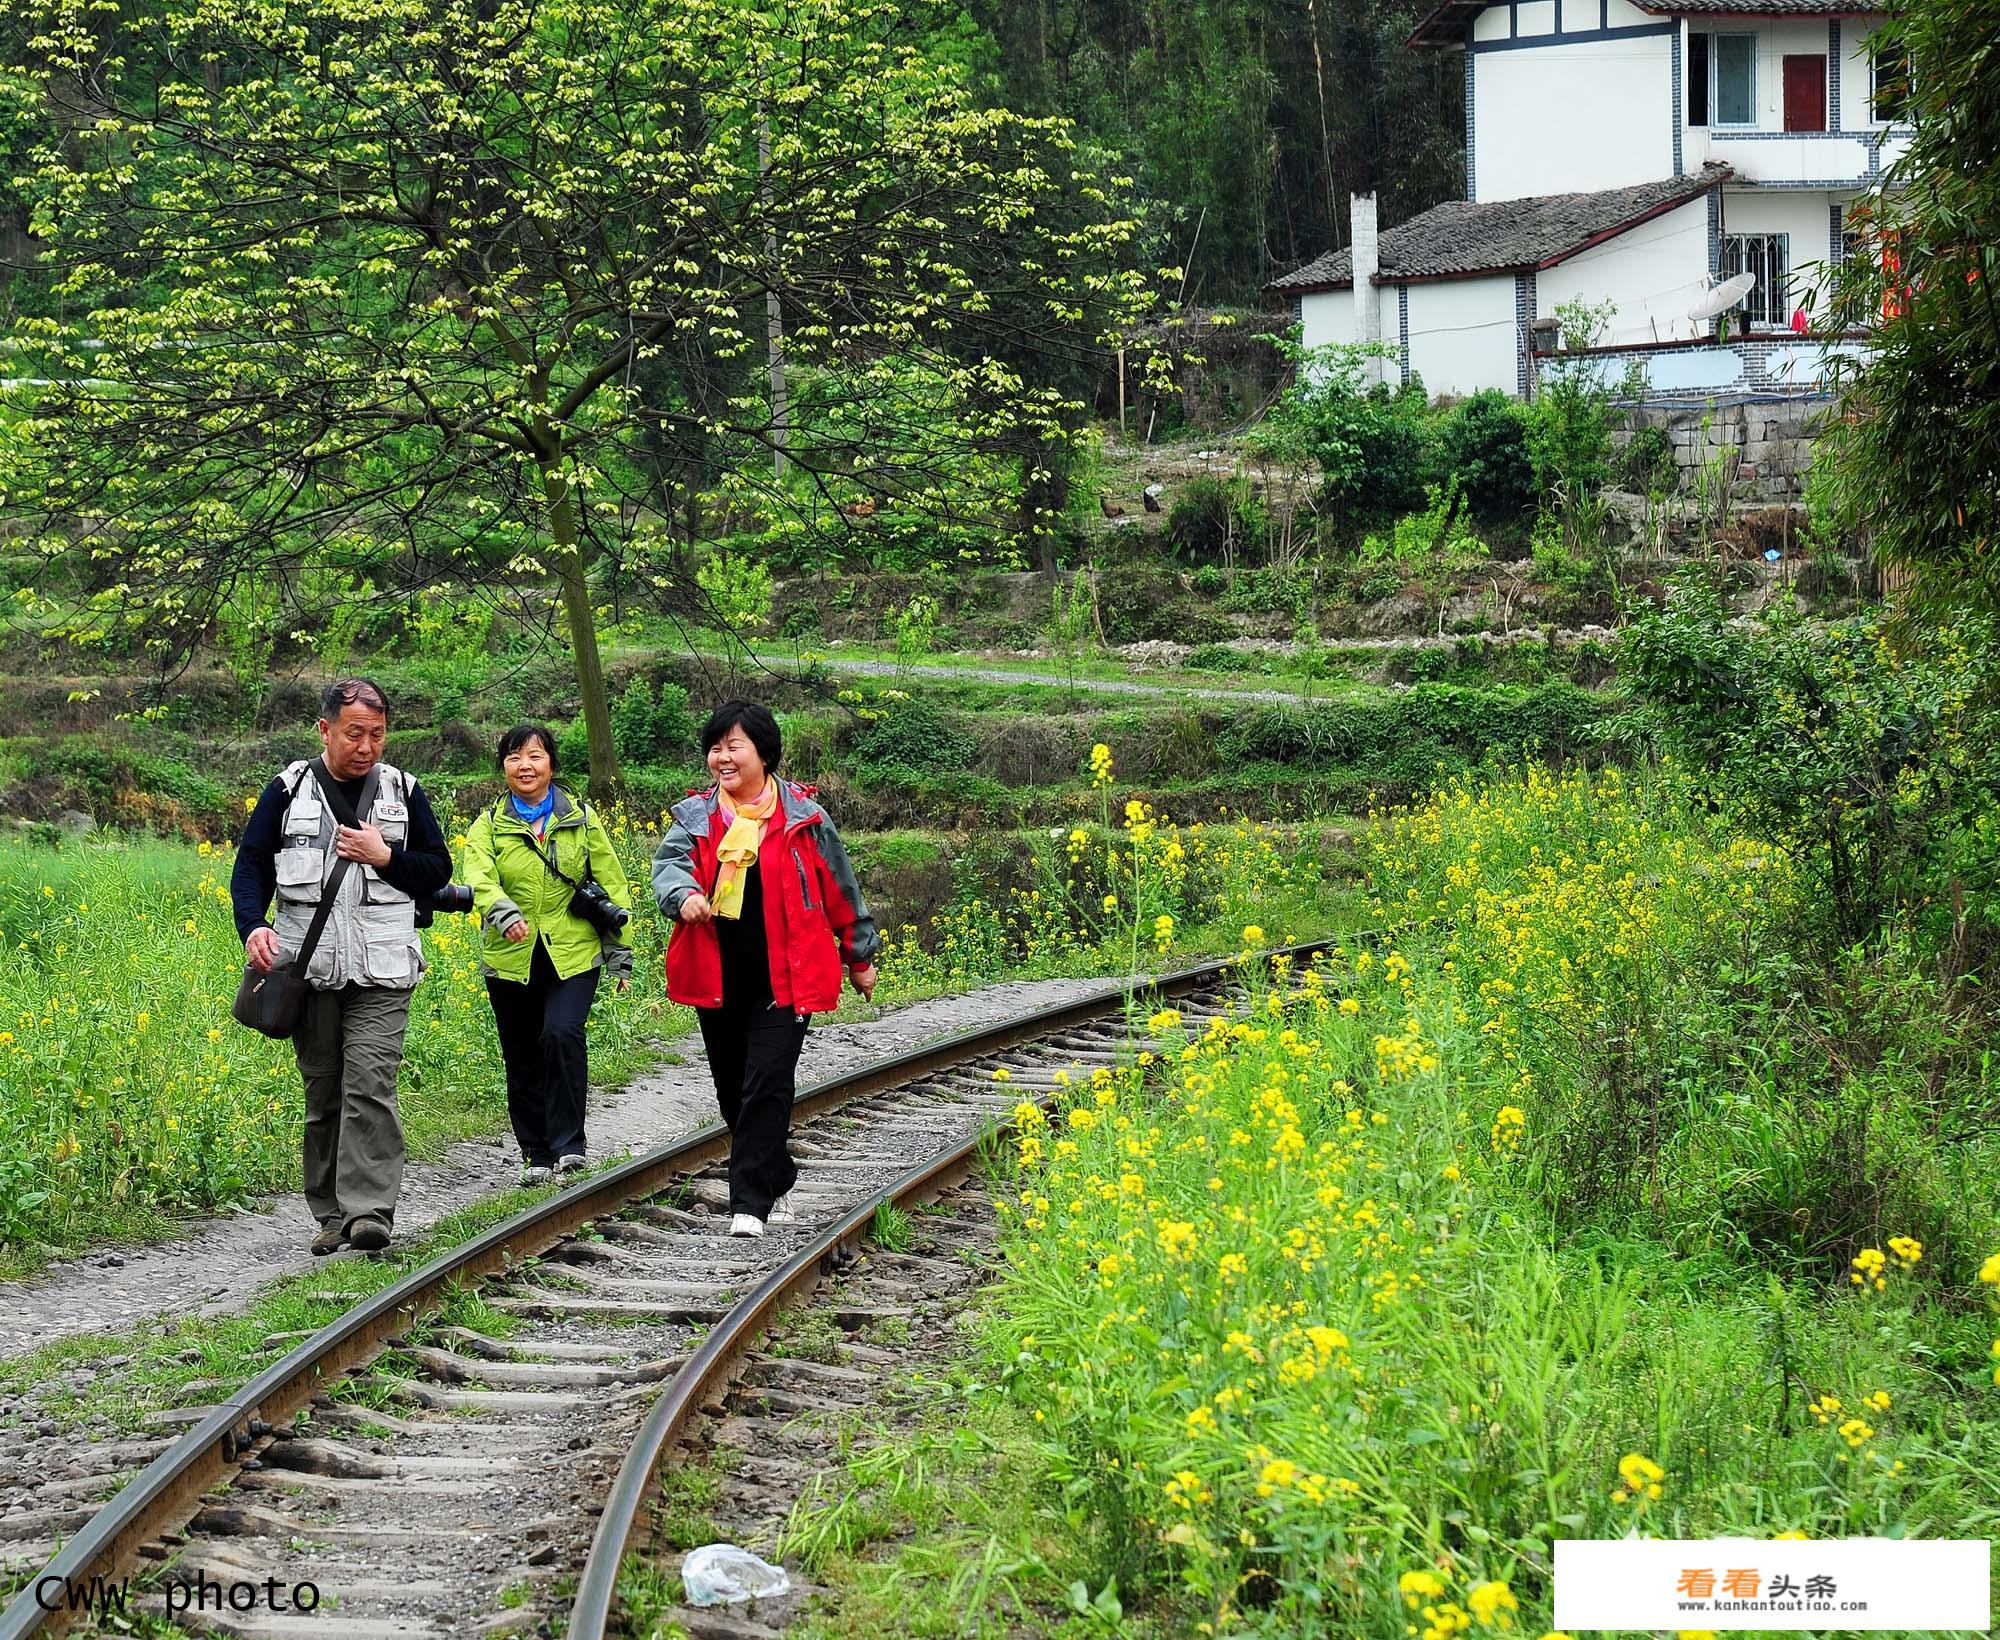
x: 371, y: 936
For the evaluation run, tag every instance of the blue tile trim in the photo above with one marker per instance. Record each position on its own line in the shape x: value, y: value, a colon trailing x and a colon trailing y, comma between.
x: 1471, y: 130
x: 1715, y: 233
x: 1730, y: 133
x: 1836, y: 236
x: 1635, y: 31
x: 1833, y: 75
x: 1514, y: 19
x: 1680, y: 165
x: 1403, y: 328
x: 1524, y: 313
x: 1815, y: 185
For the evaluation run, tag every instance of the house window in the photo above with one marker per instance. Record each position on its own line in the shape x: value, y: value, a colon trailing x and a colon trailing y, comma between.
x: 1732, y: 99
x: 1889, y: 94
x: 1769, y: 257
x: 1697, y: 86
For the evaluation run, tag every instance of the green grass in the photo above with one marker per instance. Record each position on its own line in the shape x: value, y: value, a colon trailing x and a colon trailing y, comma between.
x: 1387, y: 1279
x: 129, y: 1097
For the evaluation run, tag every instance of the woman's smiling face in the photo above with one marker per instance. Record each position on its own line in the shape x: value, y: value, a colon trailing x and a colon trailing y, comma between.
x: 527, y: 768
x: 737, y: 768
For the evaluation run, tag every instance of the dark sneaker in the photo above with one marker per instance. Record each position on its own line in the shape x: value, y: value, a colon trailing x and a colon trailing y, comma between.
x: 534, y: 1176
x: 331, y: 1238
x: 567, y: 1165
x: 369, y: 1234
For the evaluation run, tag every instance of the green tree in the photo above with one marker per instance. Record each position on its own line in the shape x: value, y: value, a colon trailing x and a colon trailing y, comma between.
x: 1918, y: 443
x: 492, y: 281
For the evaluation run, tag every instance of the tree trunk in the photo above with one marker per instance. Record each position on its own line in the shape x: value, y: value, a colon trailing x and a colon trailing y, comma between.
x: 567, y: 562
x: 774, y: 312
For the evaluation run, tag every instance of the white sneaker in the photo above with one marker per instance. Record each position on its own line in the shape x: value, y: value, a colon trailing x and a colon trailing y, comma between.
x: 782, y: 1211
x: 746, y: 1224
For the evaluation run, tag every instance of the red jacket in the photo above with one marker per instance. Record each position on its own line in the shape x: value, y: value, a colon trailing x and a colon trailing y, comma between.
x: 814, y: 916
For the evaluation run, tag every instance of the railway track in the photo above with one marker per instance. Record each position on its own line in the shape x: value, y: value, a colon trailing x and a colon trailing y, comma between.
x: 392, y: 1475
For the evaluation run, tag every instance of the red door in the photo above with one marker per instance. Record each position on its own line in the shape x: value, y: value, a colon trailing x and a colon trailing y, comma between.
x: 1805, y: 93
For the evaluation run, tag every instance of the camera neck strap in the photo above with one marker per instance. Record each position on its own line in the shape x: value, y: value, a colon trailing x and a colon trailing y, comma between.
x: 548, y: 858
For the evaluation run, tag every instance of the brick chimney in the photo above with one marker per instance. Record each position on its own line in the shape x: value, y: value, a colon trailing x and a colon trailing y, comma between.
x: 1367, y: 262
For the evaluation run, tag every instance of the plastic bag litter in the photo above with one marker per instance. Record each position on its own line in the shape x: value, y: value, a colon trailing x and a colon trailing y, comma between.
x: 717, y: 1574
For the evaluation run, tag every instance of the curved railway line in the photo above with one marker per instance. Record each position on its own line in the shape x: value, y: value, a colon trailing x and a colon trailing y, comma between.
x: 507, y: 1462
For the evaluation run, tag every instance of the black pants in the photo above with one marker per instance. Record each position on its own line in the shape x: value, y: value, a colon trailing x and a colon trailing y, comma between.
x: 548, y: 1065
x: 754, y: 1058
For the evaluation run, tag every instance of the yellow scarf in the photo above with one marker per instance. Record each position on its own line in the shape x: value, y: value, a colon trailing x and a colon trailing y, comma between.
x: 738, y: 850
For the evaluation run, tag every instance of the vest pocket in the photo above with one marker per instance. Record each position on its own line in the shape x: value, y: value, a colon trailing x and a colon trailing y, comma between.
x: 378, y: 890
x: 299, y: 875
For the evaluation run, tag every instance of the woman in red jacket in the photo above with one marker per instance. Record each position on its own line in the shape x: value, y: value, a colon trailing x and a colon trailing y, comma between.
x: 765, y: 912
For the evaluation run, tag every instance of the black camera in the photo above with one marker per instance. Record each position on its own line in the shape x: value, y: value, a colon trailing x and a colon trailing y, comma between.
x: 595, y: 906
x: 451, y: 898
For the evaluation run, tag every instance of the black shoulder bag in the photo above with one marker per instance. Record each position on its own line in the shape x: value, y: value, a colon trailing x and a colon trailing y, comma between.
x: 273, y: 1000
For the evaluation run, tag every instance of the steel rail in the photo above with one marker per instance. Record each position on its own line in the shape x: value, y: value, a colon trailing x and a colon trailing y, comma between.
x: 720, y: 1355
x: 168, y: 1491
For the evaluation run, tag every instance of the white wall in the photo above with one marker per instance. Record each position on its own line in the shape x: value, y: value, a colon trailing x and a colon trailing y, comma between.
x: 1799, y: 212
x: 1327, y: 317
x: 1463, y: 334
x: 1572, y: 118
x: 1654, y: 274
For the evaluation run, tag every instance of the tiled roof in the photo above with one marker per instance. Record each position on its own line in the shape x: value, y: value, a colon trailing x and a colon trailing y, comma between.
x: 1755, y: 8
x: 1462, y: 238
x: 1446, y: 24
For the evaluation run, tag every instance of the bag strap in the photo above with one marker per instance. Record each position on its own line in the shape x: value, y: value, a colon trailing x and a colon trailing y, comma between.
x: 549, y: 859
x: 331, y: 891
x: 323, y: 778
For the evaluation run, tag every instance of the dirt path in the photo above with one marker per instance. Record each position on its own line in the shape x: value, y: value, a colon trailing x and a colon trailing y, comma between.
x: 219, y: 1264
x: 836, y: 665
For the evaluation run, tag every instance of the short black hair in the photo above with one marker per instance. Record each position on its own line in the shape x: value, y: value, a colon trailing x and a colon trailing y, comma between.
x: 518, y: 736
x: 755, y: 721
x: 346, y: 692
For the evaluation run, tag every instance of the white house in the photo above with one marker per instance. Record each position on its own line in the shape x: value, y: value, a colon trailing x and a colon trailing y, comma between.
x: 1635, y: 152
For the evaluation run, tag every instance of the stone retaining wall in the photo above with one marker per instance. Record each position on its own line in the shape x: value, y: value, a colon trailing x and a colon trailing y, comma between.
x: 1762, y: 448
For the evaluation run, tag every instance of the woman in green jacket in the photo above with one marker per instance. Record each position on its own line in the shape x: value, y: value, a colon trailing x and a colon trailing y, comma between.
x: 526, y: 858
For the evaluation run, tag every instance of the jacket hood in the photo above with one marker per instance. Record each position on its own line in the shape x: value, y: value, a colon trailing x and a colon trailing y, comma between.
x: 698, y: 809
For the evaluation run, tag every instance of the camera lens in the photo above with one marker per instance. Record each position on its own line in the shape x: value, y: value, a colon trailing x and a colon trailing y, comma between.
x: 452, y: 897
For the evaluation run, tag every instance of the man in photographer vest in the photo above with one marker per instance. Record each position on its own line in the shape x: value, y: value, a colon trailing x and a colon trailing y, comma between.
x: 346, y: 805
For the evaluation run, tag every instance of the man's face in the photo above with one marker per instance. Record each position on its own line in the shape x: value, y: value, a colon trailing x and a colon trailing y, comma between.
x: 353, y: 740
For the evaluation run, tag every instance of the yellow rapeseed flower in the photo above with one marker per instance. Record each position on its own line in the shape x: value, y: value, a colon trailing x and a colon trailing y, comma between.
x: 1493, y: 1604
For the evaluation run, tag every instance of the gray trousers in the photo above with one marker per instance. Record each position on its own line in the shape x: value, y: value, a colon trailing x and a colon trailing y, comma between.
x: 350, y: 1047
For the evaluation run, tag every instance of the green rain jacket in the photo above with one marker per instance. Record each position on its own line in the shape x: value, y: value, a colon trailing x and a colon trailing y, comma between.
x: 509, y: 881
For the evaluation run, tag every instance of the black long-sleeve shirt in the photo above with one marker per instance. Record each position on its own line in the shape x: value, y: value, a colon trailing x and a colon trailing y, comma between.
x: 419, y: 866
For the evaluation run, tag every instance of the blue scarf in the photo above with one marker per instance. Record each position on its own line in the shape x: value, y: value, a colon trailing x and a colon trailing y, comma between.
x: 534, y: 814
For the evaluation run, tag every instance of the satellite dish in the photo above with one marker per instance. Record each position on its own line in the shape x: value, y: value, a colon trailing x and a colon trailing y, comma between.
x: 1730, y: 293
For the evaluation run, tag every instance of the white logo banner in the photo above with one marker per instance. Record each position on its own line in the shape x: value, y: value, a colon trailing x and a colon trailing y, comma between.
x: 1758, y: 1583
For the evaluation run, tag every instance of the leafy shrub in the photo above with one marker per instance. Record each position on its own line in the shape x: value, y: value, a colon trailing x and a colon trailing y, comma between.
x: 1874, y: 764
x: 1201, y: 526
x: 914, y: 735
x: 1219, y: 657
x: 1372, y: 445
x: 1484, y: 445
x: 1209, y: 581
x: 1407, y: 737
x: 652, y: 727
x: 1647, y: 466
